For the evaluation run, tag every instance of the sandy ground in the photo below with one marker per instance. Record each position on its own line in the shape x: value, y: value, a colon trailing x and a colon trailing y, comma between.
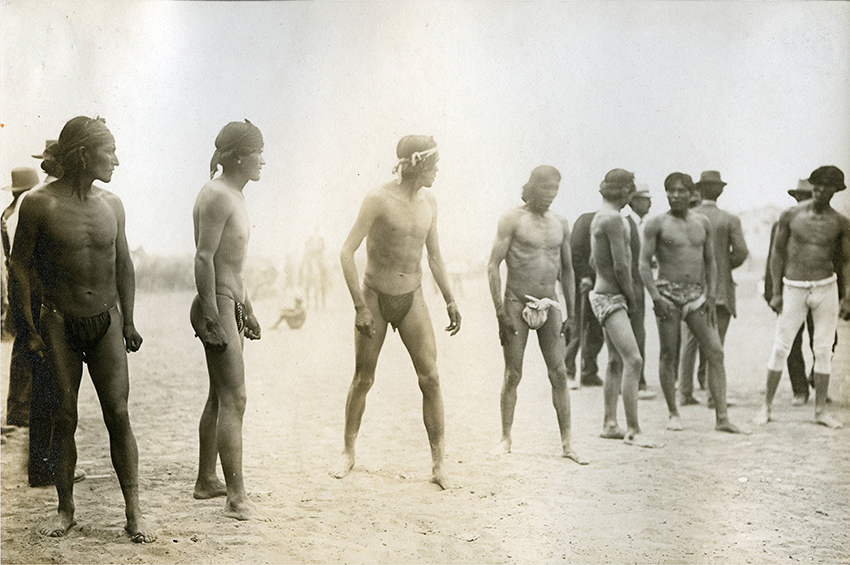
x: 779, y: 495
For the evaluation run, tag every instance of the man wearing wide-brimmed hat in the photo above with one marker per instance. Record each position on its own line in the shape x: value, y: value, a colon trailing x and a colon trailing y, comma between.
x: 802, y: 267
x: 730, y: 252
x: 20, y: 378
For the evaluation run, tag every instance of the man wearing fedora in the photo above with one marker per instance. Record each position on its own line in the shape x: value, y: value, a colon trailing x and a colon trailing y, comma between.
x: 730, y: 251
x: 21, y: 365
x: 802, y: 269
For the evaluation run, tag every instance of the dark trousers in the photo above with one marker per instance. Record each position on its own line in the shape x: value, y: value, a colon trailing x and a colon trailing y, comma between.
x: 585, y: 334
x: 636, y: 317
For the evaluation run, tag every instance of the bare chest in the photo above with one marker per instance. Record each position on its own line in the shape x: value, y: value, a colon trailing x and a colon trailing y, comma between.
x: 75, y: 225
x: 816, y: 230
x: 677, y: 234
x: 401, y: 219
x: 535, y: 232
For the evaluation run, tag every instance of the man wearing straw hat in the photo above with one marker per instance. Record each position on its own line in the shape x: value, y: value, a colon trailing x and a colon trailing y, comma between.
x: 804, y: 280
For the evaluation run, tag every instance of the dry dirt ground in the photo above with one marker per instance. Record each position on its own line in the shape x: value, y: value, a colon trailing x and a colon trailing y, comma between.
x: 779, y: 495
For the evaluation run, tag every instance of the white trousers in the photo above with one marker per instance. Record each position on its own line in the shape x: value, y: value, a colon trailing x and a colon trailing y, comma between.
x: 798, y: 297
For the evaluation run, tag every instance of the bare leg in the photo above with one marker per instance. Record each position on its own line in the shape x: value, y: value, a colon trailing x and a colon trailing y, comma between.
x: 822, y: 415
x: 623, y: 347
x: 418, y: 336
x: 763, y: 417
x: 669, y: 331
x: 65, y: 373
x: 109, y: 373
x: 208, y: 485
x: 710, y: 345
x: 552, y: 347
x: 514, y: 352
x: 366, y: 360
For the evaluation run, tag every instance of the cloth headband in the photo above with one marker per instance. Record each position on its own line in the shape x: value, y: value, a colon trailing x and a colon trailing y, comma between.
x: 93, y: 132
x: 414, y: 159
x: 236, y: 135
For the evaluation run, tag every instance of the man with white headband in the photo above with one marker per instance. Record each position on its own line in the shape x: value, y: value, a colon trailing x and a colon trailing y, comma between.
x: 534, y: 244
x: 397, y: 220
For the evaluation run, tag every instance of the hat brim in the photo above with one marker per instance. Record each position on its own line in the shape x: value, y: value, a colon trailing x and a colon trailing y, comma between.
x: 797, y: 191
x: 709, y: 183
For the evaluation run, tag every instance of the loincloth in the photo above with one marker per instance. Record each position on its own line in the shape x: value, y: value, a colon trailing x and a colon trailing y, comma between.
x: 603, y: 305
x: 394, y: 308
x: 238, y: 313
x: 688, y: 297
x: 83, y: 334
x: 536, y: 310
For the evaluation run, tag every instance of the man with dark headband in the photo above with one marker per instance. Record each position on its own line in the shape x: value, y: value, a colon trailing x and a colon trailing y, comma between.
x: 534, y: 244
x: 221, y: 313
x: 686, y: 288
x: 73, y: 232
x: 809, y: 238
x: 397, y: 220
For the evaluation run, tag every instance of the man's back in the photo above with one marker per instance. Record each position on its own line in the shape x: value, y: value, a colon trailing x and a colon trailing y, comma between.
x: 610, y: 251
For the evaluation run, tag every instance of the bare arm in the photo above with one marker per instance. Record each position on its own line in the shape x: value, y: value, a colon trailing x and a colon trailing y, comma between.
x: 369, y: 211
x: 20, y: 270
x: 779, y: 253
x: 568, y: 283
x: 504, y: 235
x: 739, y: 252
x: 125, y: 279
x: 438, y: 269
x: 212, y: 215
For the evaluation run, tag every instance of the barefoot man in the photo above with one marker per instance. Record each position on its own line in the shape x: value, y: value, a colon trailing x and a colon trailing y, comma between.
x: 397, y: 220
x: 534, y: 243
x: 804, y: 280
x: 74, y: 233
x: 612, y: 297
x: 682, y: 243
x: 221, y: 313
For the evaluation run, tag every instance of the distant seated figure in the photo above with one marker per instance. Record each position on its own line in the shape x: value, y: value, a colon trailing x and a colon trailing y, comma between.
x: 294, y: 317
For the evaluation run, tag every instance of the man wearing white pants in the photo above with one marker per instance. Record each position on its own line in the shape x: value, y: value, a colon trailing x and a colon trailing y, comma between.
x: 804, y: 280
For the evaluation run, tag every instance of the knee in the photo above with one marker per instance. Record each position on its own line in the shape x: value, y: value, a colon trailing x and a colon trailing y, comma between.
x: 116, y: 417
x: 714, y: 353
x: 429, y: 382
x: 233, y: 401
x: 65, y: 417
x: 633, y: 363
x: 513, y: 375
x: 363, y: 380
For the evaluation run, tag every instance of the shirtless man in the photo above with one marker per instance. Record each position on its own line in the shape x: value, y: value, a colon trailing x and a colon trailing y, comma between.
x: 221, y: 313
x: 804, y: 279
x: 613, y: 295
x: 397, y: 220
x: 534, y: 243
x: 682, y: 243
x: 74, y: 233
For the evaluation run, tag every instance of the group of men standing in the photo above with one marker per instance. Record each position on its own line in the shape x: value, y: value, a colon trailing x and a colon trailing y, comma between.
x: 71, y: 262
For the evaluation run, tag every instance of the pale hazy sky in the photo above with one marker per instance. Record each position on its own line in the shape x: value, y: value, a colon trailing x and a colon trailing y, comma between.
x: 757, y: 90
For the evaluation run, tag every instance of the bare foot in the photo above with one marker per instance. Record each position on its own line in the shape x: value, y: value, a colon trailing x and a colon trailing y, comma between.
x: 139, y: 531
x: 245, y: 510
x: 640, y: 440
x: 58, y: 525
x: 79, y: 474
x: 674, y: 423
x: 763, y: 417
x: 646, y: 394
x: 439, y: 478
x: 824, y: 419
x: 205, y: 489
x: 688, y: 400
x: 569, y: 453
x: 503, y: 448
x: 612, y: 431
x: 573, y: 384
x: 799, y: 400
x: 343, y: 466
x: 729, y: 427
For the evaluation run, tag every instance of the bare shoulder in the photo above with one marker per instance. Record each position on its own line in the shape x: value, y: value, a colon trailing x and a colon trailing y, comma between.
x: 511, y: 218
x: 110, y: 198
x: 214, y: 194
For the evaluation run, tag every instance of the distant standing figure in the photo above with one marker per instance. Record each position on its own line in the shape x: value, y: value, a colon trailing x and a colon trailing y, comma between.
x: 74, y: 233
x: 639, y: 207
x: 683, y: 243
x: 397, y: 220
x: 534, y: 243
x: 222, y: 313
x: 803, y: 274
x: 314, y: 271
